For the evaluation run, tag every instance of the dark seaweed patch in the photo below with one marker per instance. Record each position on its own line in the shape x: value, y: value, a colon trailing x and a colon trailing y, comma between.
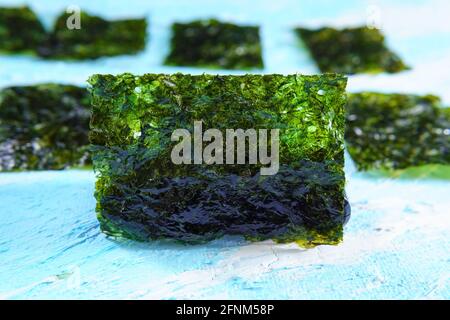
x: 211, y: 43
x: 350, y: 50
x: 20, y: 30
x: 96, y: 38
x: 43, y: 127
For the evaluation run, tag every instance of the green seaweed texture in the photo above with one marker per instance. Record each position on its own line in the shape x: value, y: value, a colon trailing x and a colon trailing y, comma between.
x: 142, y: 195
x: 397, y: 131
x: 350, y: 50
x: 44, y: 127
x: 215, y: 44
x: 20, y: 30
x: 96, y: 38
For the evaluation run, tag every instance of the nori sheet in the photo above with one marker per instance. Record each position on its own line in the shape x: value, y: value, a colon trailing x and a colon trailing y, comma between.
x: 215, y: 44
x: 397, y: 131
x: 350, y: 50
x: 142, y: 195
x: 20, y: 30
x: 44, y: 127
x: 96, y: 38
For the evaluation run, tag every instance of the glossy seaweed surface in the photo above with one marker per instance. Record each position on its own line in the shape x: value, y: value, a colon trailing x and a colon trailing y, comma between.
x: 211, y: 43
x: 20, y: 30
x: 44, y: 127
x: 396, y: 131
x: 96, y: 38
x: 350, y: 50
x: 142, y: 195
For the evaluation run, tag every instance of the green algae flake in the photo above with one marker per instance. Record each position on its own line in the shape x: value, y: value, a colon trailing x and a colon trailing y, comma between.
x: 44, y: 127
x: 391, y: 132
x: 141, y: 194
x: 350, y: 50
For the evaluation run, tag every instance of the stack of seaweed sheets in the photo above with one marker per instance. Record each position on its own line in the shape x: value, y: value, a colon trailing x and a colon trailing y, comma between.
x: 143, y: 195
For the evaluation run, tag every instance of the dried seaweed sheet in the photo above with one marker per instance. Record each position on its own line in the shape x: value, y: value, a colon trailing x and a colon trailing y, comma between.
x: 44, y: 127
x: 210, y: 43
x: 141, y: 194
x: 20, y: 30
x: 96, y: 38
x: 397, y: 131
x: 350, y: 50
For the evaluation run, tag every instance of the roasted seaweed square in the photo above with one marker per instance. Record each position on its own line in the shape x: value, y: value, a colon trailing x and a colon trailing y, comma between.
x: 44, y: 127
x: 20, y: 30
x: 397, y: 131
x: 350, y: 50
x: 210, y: 43
x: 143, y: 194
x: 95, y: 38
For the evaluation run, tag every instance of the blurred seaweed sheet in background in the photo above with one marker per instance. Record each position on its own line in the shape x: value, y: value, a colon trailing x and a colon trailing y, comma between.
x: 397, y: 131
x: 142, y: 194
x: 211, y: 43
x: 44, y: 127
x: 96, y: 38
x: 350, y: 50
x: 21, y: 31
